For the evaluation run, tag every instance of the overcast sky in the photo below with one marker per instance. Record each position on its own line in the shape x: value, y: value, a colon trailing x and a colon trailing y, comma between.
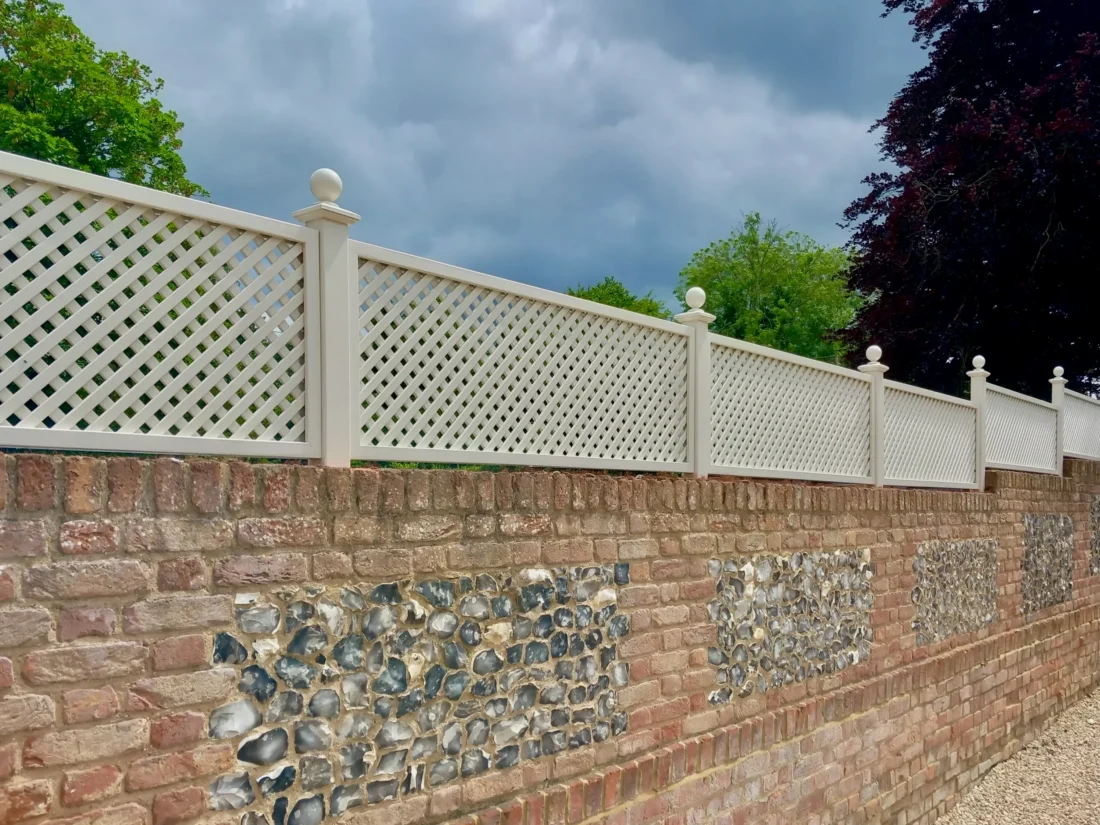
x: 548, y: 141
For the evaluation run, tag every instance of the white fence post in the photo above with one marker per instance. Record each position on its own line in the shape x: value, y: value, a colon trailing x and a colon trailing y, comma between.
x: 1058, y: 399
x: 338, y: 360
x: 978, y: 375
x: 699, y: 383
x: 877, y: 372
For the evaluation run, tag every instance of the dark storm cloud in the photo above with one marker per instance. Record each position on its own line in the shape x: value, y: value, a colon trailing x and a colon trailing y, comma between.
x: 550, y: 141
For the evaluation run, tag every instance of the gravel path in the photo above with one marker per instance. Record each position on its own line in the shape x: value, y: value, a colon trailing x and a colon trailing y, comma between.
x: 1053, y: 781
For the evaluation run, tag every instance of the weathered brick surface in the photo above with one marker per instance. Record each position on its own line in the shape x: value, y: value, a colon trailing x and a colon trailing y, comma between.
x: 22, y: 538
x: 86, y: 579
x: 78, y: 663
x: 91, y: 785
x: 85, y: 484
x: 72, y: 747
x: 116, y: 573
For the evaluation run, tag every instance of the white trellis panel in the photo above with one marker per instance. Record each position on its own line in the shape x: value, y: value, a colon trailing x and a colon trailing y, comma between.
x: 135, y: 320
x: 778, y: 415
x: 1021, y: 433
x: 460, y: 367
x: 1082, y: 421
x: 931, y: 439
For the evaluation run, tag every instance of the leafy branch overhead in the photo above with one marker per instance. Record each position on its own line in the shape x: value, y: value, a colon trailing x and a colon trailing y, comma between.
x: 67, y: 102
x: 983, y: 238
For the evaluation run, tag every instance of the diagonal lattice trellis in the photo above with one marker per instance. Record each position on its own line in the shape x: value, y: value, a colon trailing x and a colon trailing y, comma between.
x: 1082, y: 416
x: 1020, y: 433
x: 928, y: 439
x: 454, y: 366
x: 777, y: 415
x: 118, y: 317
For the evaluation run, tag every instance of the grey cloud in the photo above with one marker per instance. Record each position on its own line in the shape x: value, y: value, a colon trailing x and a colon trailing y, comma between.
x: 552, y: 142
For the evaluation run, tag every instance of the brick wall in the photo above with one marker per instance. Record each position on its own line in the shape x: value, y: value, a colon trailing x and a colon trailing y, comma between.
x: 122, y: 582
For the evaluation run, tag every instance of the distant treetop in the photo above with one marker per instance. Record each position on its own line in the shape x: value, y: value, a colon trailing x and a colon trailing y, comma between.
x: 67, y: 102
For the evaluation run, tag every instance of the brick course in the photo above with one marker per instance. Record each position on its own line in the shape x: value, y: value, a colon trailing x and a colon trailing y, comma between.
x: 115, y: 573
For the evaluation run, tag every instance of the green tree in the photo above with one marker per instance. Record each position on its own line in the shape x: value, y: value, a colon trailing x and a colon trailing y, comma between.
x: 613, y: 293
x: 67, y: 102
x: 779, y: 289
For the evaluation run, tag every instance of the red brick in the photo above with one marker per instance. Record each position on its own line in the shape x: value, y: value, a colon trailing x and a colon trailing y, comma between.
x: 367, y: 485
x: 125, y: 485
x: 91, y: 785
x: 168, y: 486
x: 89, y: 705
x: 25, y: 712
x: 20, y: 801
x: 178, y: 806
x: 181, y: 574
x: 7, y: 673
x: 352, y: 530
x: 332, y: 566
x: 88, y: 537
x: 383, y: 563
x: 524, y: 524
x: 339, y: 489
x: 207, y: 486
x: 129, y: 814
x: 78, y: 663
x: 176, y: 652
x: 177, y: 729
x: 242, y: 486
x: 85, y: 484
x: 287, y: 531
x: 24, y: 626
x: 71, y: 747
x: 178, y: 766
x: 20, y: 539
x: 8, y: 583
x: 177, y: 613
x: 277, y: 489
x: 307, y: 488
x: 392, y: 488
x: 86, y: 579
x: 429, y: 527
x: 274, y: 569
x: 567, y: 551
x: 9, y: 760
x: 35, y: 482
x: 197, y: 688
x: 76, y: 623
x: 178, y: 535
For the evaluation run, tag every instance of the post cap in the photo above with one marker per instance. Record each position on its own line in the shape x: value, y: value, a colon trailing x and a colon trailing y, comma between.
x: 326, y: 185
x: 695, y: 297
x: 978, y: 362
x: 1058, y: 372
x: 874, y: 353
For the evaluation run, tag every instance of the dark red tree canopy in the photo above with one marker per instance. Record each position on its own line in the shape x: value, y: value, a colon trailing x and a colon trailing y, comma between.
x: 987, y: 238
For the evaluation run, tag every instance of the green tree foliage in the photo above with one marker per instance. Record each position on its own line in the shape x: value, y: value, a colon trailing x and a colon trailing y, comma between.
x: 67, y: 102
x: 779, y: 289
x: 611, y: 292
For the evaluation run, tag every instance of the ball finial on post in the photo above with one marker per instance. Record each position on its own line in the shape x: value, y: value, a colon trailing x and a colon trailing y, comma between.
x: 1059, y: 372
x: 326, y: 185
x: 695, y: 297
x: 874, y: 353
x: 978, y: 362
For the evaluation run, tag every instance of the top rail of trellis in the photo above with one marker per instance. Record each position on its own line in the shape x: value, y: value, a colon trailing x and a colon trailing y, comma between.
x: 138, y: 321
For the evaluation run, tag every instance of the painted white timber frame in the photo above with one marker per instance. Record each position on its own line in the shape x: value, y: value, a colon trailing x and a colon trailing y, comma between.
x: 1021, y: 432
x: 146, y: 214
x: 400, y: 358
x: 444, y: 278
x: 1082, y: 417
